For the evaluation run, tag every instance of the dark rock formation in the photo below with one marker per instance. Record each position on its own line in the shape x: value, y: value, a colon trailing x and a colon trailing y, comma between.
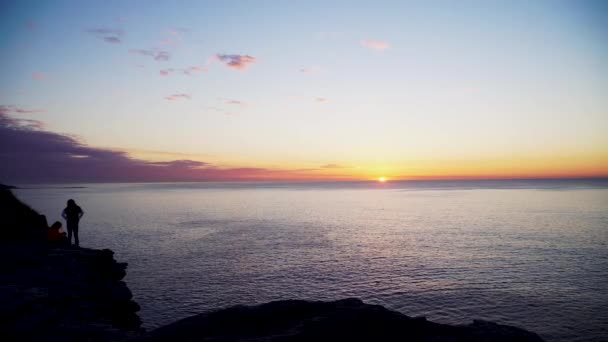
x: 58, y: 294
x: 7, y: 187
x: 342, y: 320
x: 65, y: 295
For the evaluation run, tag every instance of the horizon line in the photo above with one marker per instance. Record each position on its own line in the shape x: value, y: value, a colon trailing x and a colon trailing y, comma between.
x: 388, y: 180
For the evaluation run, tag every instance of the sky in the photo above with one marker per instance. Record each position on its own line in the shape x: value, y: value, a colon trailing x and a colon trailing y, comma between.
x: 302, y: 90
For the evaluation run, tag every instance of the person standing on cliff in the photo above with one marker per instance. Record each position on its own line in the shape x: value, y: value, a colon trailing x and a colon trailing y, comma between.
x: 72, y: 214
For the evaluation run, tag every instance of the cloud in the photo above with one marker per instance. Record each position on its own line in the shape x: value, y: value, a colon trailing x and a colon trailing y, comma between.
x: 108, y: 35
x: 237, y: 62
x: 114, y: 40
x: 193, y: 70
x: 157, y: 55
x: 31, y: 154
x: 375, y: 44
x: 38, y: 76
x: 105, y: 31
x: 234, y: 102
x: 181, y: 163
x: 7, y: 120
x: 320, y: 99
x: 178, y: 97
x: 165, y: 72
x: 333, y: 166
x: 189, y: 71
x: 12, y: 109
x: 31, y: 25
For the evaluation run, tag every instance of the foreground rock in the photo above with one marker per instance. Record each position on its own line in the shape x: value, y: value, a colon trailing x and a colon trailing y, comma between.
x: 66, y: 295
x: 58, y: 294
x: 343, y: 320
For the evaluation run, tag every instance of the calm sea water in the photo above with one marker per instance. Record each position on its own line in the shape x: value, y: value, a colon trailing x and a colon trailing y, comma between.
x: 528, y: 253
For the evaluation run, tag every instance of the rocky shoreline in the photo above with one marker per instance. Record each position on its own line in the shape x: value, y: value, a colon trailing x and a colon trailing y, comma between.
x: 341, y: 320
x: 77, y: 294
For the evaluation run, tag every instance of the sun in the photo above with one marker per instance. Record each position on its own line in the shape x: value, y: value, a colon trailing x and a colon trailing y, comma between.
x: 382, y: 179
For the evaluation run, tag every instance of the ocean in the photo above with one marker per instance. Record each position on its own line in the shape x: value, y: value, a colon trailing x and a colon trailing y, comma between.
x: 530, y: 253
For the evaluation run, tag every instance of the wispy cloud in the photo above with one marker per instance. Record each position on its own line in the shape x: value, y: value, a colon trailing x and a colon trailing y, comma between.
x: 108, y: 35
x: 237, y: 62
x: 38, y: 76
x: 12, y: 109
x: 189, y: 71
x: 178, y: 97
x: 333, y: 166
x: 193, y: 70
x: 7, y: 120
x: 114, y: 40
x: 105, y: 32
x: 234, y: 102
x: 375, y: 44
x: 157, y: 55
x: 320, y: 99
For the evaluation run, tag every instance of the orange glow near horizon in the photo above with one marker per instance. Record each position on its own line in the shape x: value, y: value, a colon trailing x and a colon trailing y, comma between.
x: 560, y: 166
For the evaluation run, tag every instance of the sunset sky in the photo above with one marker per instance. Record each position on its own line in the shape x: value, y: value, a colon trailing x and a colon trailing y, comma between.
x: 302, y: 90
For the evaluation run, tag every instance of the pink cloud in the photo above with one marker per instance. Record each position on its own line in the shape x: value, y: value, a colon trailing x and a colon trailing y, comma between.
x: 38, y: 76
x: 237, y: 62
x: 178, y: 97
x: 166, y: 72
x: 194, y: 69
x: 375, y: 44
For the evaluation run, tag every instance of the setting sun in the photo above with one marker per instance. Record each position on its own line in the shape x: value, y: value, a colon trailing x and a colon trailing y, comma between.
x: 382, y: 179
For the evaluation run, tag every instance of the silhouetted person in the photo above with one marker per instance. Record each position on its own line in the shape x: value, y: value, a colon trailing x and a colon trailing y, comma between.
x: 72, y: 214
x: 55, y: 236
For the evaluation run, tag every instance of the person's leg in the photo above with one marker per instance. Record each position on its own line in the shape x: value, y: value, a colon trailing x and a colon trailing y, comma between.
x: 75, y: 229
x: 69, y: 228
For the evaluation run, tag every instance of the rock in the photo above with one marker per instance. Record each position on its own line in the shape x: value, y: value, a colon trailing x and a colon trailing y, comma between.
x: 342, y: 320
x: 7, y: 187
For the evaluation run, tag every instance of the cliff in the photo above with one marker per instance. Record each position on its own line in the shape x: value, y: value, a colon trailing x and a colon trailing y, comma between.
x: 58, y: 294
